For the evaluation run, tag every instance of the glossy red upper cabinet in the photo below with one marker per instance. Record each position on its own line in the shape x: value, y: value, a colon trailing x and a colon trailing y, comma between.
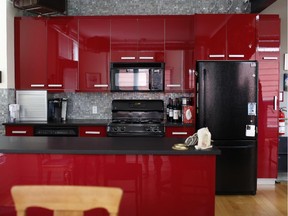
x: 62, y: 53
x: 210, y: 36
x: 225, y: 37
x: 94, y: 54
x: 30, y: 53
x: 268, y: 29
x: 179, y: 48
x: 151, y: 39
x: 241, y: 37
x: 135, y: 39
x: 268, y: 57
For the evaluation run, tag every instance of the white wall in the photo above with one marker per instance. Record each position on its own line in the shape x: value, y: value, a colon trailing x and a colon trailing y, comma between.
x: 3, y: 43
x: 281, y: 7
x: 7, y: 13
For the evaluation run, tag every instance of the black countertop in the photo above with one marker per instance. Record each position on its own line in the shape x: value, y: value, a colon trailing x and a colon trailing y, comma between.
x: 105, y: 145
x: 70, y: 122
x: 81, y: 122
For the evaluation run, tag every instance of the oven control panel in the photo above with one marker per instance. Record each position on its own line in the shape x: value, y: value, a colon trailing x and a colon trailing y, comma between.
x: 135, y: 130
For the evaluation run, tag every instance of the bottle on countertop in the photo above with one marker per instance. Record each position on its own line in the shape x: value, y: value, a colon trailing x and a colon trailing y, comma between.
x: 176, y: 110
x: 179, y: 109
x: 170, y: 117
x: 187, y: 110
x: 168, y: 109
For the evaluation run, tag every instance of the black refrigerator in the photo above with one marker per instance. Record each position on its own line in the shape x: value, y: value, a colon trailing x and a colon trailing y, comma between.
x: 227, y: 105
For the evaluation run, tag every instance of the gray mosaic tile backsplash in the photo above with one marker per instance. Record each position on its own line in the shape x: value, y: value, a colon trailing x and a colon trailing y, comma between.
x: 7, y: 96
x: 80, y: 104
x: 152, y: 7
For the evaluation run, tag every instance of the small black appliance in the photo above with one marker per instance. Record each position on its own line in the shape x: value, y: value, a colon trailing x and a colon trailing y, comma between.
x: 57, y: 109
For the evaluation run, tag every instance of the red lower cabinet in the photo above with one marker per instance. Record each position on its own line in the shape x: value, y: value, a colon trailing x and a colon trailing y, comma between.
x: 19, y: 130
x: 92, y: 131
x: 153, y: 184
x: 182, y: 132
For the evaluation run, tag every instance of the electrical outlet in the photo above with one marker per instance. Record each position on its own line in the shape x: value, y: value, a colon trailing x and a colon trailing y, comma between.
x: 94, y: 110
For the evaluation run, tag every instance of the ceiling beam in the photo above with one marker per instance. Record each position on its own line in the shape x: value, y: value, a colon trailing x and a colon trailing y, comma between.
x: 259, y: 5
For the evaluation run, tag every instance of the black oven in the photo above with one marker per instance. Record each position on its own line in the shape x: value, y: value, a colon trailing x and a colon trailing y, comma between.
x: 144, y: 77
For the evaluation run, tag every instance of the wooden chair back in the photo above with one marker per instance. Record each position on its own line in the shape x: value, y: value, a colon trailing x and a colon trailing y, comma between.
x: 66, y: 200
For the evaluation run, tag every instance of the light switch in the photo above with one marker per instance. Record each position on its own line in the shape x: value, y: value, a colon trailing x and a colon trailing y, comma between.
x: 94, y: 109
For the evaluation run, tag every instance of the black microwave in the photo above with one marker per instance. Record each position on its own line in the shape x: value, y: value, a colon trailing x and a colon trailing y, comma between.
x: 142, y: 77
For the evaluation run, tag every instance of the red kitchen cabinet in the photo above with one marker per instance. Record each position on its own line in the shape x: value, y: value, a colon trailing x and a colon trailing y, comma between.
x: 92, y: 131
x: 225, y: 37
x: 30, y: 53
x: 241, y: 37
x: 151, y: 34
x: 19, y: 130
x: 179, y: 47
x: 182, y: 132
x: 94, y: 54
x: 62, y: 53
x: 268, y: 33
x: 137, y: 39
x: 210, y: 36
x: 268, y: 55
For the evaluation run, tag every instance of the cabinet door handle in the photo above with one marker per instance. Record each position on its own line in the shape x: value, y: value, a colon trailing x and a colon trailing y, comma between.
x: 173, y: 85
x: 179, y: 133
x: 19, y: 132
x: 54, y: 85
x: 128, y: 58
x: 275, y: 103
x: 93, y: 132
x: 100, y: 85
x: 146, y: 57
x: 270, y: 58
x: 236, y: 56
x: 217, y: 56
x: 37, y: 85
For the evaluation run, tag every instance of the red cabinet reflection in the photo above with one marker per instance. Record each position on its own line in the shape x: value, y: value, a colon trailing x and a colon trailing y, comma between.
x: 179, y: 48
x: 225, y: 36
x: 62, y: 53
x: 137, y: 39
x: 94, y: 54
x: 268, y: 55
x: 30, y: 53
x: 152, y: 184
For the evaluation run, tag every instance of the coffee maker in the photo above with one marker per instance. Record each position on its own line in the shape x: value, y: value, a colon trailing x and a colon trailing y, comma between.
x: 57, y: 109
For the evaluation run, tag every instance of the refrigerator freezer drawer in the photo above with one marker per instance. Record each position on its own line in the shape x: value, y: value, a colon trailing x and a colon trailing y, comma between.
x: 236, y: 170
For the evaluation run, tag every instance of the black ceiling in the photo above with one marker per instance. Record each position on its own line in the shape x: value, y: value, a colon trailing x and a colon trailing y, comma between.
x: 259, y: 5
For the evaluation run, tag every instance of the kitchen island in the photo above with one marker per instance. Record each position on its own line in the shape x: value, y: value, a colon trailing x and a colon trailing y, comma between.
x: 156, y: 179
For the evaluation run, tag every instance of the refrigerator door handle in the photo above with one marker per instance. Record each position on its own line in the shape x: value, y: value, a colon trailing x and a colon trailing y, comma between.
x: 204, y: 96
x: 275, y: 103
